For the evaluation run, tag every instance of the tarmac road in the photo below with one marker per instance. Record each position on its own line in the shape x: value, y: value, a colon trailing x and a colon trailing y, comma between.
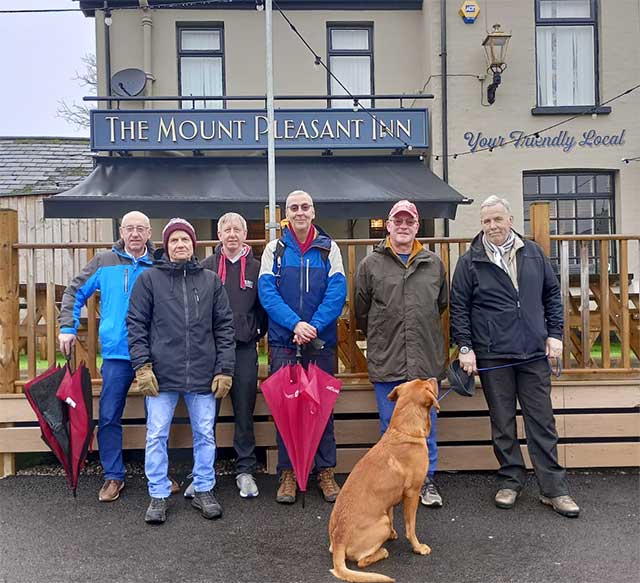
x: 47, y: 535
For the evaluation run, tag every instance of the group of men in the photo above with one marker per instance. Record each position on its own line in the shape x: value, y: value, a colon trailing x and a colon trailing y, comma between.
x: 181, y: 327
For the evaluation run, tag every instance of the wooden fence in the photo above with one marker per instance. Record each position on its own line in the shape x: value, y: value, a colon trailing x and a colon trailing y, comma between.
x: 596, y: 399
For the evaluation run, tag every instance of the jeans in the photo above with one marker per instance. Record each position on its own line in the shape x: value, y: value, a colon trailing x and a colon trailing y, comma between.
x: 202, y: 410
x: 117, y: 376
x: 325, y: 359
x: 385, y: 410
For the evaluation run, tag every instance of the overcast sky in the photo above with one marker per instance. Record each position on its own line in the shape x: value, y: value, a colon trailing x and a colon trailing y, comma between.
x: 39, y: 56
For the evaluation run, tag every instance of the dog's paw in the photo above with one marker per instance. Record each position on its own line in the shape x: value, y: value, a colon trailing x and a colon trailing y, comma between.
x: 393, y: 535
x: 422, y: 549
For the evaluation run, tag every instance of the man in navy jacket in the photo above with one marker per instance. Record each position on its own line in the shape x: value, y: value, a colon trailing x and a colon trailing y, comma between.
x: 506, y: 316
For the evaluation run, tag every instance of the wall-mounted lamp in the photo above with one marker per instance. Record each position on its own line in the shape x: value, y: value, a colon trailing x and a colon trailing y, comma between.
x: 495, y: 46
x: 259, y: 5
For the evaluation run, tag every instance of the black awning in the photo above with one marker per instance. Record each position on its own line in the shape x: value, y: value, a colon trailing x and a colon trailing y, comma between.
x: 207, y: 187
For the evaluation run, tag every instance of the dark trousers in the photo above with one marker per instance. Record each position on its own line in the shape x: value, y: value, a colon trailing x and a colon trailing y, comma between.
x: 530, y: 384
x: 243, y: 400
x: 326, y: 359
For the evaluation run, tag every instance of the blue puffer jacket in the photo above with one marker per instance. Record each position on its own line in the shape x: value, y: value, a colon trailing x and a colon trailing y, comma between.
x: 113, y: 273
x: 310, y: 287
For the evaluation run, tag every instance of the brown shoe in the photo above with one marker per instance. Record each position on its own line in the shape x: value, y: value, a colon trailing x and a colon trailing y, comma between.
x: 328, y: 485
x: 175, y: 487
x: 287, y: 490
x: 110, y: 490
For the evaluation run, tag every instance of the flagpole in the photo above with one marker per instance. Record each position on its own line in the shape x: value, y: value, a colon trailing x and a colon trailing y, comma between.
x: 271, y: 153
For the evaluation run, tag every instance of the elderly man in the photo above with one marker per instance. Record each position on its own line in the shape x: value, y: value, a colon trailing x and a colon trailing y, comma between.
x: 401, y: 290
x: 181, y: 340
x: 302, y: 288
x: 506, y: 318
x: 113, y: 273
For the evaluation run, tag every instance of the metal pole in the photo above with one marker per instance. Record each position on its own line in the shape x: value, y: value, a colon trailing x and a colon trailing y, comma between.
x: 271, y: 145
x: 445, y: 104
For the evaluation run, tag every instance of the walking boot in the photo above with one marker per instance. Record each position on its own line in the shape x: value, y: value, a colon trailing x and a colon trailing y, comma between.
x: 328, y: 484
x: 156, y: 511
x: 207, y: 504
x: 287, y: 490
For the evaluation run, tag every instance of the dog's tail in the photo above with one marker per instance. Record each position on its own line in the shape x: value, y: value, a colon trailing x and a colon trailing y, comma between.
x: 341, y: 571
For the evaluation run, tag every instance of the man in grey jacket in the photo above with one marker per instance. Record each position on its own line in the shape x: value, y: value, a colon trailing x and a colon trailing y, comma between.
x: 401, y: 290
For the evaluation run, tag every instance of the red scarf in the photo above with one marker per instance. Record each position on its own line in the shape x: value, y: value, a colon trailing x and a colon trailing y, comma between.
x: 304, y: 247
x: 222, y: 265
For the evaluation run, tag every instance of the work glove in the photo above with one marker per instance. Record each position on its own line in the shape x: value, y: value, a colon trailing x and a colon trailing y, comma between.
x: 221, y: 385
x: 147, y: 382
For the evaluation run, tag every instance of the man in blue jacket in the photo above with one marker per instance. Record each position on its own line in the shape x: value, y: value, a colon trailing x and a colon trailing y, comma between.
x: 302, y: 287
x: 506, y: 318
x: 113, y: 273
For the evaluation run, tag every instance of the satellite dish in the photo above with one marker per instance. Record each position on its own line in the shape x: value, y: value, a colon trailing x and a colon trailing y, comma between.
x: 128, y: 82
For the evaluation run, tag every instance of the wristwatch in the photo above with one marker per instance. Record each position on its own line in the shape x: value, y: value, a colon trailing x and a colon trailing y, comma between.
x: 464, y: 350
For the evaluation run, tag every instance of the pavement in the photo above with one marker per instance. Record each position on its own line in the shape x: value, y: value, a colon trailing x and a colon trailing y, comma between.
x: 47, y: 535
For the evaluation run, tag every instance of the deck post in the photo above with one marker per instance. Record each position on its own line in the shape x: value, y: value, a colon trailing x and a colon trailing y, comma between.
x: 540, y: 229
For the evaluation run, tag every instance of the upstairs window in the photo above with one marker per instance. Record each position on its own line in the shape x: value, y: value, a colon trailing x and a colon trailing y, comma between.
x: 201, y: 65
x: 351, y: 61
x: 566, y: 53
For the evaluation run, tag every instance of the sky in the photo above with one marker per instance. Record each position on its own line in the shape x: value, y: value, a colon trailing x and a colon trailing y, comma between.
x: 39, y: 57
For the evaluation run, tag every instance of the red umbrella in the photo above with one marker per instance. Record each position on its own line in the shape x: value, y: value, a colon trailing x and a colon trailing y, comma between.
x: 301, y: 402
x: 63, y: 405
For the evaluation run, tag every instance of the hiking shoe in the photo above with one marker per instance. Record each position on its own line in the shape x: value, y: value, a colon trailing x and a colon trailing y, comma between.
x: 247, y: 486
x: 175, y: 487
x: 328, y: 485
x: 506, y: 498
x: 110, y: 490
x: 156, y: 511
x: 429, y: 494
x: 287, y: 491
x: 564, y: 505
x: 190, y: 491
x: 207, y: 504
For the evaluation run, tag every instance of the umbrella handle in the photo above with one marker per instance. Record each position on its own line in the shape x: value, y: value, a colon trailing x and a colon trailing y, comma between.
x: 298, y: 354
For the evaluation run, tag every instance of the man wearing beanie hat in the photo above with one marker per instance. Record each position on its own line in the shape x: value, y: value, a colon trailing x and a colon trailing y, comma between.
x: 401, y: 290
x: 181, y: 340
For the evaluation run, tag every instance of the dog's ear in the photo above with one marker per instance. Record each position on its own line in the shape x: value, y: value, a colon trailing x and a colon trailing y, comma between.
x: 393, y: 395
x: 432, y: 389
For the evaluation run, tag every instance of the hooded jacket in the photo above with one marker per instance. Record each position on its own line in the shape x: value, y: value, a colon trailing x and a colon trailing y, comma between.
x: 310, y: 287
x: 398, y: 307
x: 180, y: 321
x: 249, y: 318
x: 113, y: 273
x: 494, y: 318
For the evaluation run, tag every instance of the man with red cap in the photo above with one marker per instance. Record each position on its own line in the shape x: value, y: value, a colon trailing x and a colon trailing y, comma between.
x: 181, y: 340
x: 401, y: 290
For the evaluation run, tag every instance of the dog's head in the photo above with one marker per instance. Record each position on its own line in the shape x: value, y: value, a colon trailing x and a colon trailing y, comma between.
x: 413, y: 405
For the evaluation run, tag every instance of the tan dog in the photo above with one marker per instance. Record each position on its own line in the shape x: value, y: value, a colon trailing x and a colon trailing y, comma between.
x: 391, y: 472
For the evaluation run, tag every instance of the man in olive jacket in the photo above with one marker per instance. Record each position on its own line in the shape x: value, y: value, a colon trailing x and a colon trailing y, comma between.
x: 401, y: 290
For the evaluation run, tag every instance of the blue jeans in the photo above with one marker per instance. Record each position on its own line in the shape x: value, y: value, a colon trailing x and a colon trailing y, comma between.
x: 116, y: 380
x: 385, y: 410
x: 202, y: 412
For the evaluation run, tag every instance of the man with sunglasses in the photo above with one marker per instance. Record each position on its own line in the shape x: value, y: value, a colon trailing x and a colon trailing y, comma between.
x: 401, y: 290
x: 113, y: 273
x: 302, y: 287
x: 506, y: 318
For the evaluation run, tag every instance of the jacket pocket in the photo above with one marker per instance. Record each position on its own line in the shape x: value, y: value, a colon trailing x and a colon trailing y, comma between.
x: 505, y: 334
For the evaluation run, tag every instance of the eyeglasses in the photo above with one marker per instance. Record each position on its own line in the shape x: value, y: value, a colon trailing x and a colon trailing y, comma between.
x: 134, y: 228
x: 408, y: 221
x: 303, y: 207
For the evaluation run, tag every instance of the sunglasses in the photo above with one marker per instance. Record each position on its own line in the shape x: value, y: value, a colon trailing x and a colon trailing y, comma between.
x: 294, y: 208
x: 408, y: 221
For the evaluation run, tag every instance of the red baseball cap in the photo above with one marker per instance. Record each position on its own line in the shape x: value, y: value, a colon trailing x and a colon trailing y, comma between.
x: 404, y: 206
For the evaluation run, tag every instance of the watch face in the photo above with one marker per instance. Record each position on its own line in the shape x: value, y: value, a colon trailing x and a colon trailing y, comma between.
x: 464, y: 349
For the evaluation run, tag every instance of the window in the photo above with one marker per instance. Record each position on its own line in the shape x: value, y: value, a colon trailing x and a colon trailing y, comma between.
x: 351, y: 61
x: 566, y: 53
x: 201, y: 65
x: 580, y: 203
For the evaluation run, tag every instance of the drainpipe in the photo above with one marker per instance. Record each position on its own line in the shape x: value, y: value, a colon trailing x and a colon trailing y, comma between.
x: 445, y: 121
x: 147, y: 26
x: 107, y: 49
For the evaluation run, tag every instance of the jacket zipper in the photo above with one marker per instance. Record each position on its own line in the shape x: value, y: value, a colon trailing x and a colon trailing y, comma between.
x: 195, y: 291
x: 307, y: 276
x: 186, y: 321
x: 126, y: 280
x: 301, y: 283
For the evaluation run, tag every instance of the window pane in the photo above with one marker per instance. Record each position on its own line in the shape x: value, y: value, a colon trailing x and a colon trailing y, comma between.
x: 349, y: 39
x: 565, y: 209
x: 530, y: 184
x: 527, y: 228
x: 565, y: 8
x: 552, y: 210
x: 603, y: 183
x: 548, y: 185
x: 602, y: 208
x: 201, y: 76
x: 201, y: 40
x: 566, y: 227
x: 565, y: 63
x: 355, y: 74
x: 585, y: 208
x: 566, y: 184
x: 586, y: 184
x: 585, y: 227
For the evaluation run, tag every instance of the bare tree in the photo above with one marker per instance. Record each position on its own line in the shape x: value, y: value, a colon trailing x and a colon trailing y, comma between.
x: 78, y: 114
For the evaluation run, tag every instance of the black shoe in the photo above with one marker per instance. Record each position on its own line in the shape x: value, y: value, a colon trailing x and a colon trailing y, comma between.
x: 207, y: 504
x: 157, y: 511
